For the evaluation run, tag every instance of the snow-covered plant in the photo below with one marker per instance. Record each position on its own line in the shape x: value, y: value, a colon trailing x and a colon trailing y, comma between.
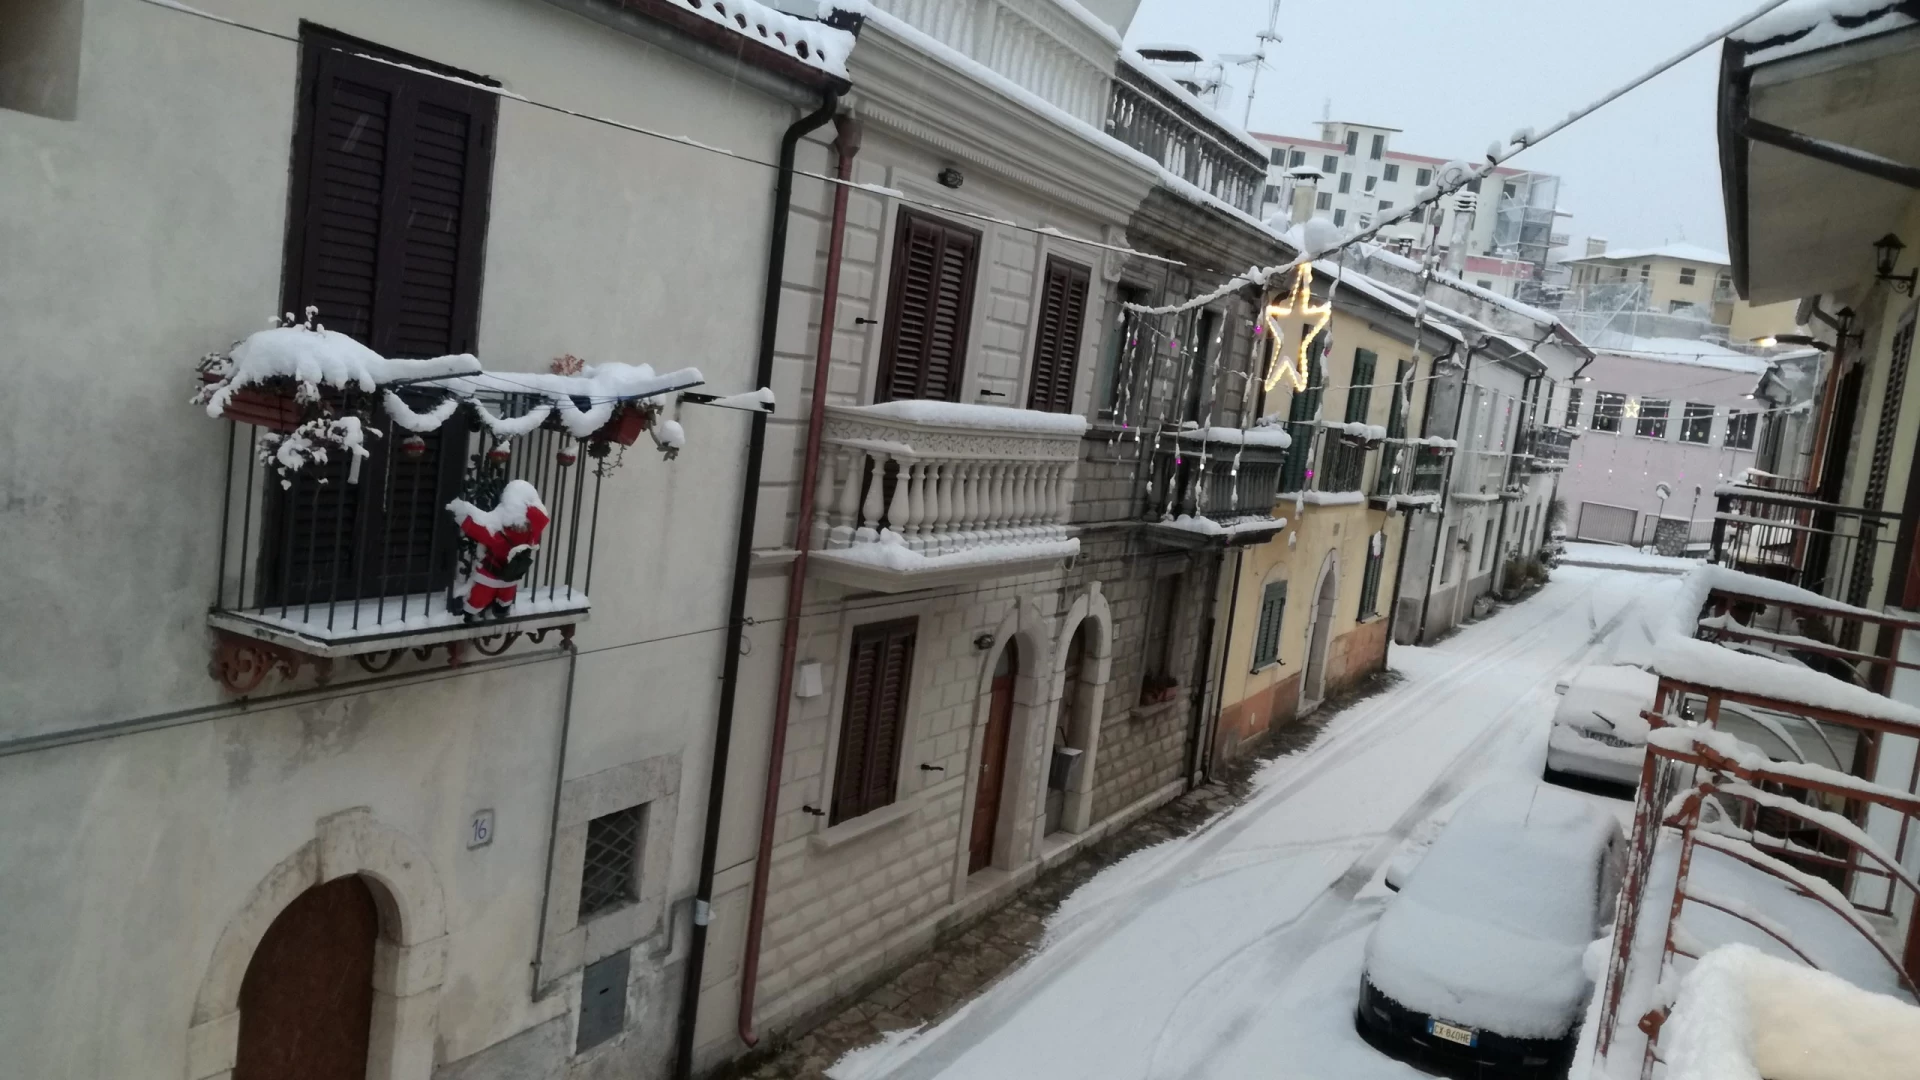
x: 310, y: 443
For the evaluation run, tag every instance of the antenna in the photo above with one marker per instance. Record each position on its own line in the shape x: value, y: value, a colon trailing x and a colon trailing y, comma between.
x: 1269, y: 36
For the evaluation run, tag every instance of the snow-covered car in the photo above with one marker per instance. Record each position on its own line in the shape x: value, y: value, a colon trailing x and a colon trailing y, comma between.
x: 1598, y: 732
x: 1476, y: 965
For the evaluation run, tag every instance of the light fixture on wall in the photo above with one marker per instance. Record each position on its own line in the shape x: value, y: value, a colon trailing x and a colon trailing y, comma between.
x: 951, y: 177
x: 1770, y: 340
x: 983, y: 642
x: 1886, y: 257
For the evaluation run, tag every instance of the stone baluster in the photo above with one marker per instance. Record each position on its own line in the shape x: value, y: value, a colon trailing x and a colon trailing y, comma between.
x: 993, y: 501
x: 900, y: 507
x: 872, y: 508
x: 1059, y: 504
x: 823, y: 496
x: 847, y: 510
x: 968, y: 533
x: 933, y: 524
x: 915, y: 476
x: 1027, y: 501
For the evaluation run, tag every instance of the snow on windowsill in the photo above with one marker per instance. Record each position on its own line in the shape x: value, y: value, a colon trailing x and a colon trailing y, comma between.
x: 1274, y: 437
x: 981, y: 417
x: 892, y: 553
x: 1369, y: 432
x: 1326, y: 498
x: 1206, y: 526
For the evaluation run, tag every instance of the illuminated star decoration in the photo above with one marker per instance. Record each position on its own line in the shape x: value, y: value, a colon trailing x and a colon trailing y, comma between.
x: 1301, y: 302
x: 1631, y: 410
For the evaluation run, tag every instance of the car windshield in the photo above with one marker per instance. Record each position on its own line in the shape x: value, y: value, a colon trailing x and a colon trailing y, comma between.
x: 1529, y: 877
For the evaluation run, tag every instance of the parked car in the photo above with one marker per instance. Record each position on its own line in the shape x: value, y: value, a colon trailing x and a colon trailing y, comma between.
x: 1475, y: 967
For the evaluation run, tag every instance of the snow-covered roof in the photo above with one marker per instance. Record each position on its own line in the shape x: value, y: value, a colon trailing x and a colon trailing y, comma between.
x: 1690, y: 352
x: 1805, y: 25
x: 810, y: 42
x: 1680, y: 250
x: 1392, y: 298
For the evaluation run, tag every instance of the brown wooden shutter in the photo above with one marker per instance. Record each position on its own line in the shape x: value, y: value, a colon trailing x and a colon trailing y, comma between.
x: 873, y: 714
x: 1056, y: 347
x: 929, y: 304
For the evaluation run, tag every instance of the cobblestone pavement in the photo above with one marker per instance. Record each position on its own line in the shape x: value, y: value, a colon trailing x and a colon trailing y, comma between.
x: 966, y: 963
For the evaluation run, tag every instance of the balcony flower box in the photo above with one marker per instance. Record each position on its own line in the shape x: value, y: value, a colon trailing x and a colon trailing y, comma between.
x: 263, y: 406
x: 626, y: 426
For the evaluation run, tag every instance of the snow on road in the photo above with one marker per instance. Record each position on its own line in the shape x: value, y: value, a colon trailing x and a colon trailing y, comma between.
x: 1235, y: 951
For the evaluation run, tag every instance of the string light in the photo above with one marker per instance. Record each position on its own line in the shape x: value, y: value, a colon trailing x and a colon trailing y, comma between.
x: 1300, y: 301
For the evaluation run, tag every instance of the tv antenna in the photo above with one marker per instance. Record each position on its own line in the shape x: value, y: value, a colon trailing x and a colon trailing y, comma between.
x: 1258, y: 58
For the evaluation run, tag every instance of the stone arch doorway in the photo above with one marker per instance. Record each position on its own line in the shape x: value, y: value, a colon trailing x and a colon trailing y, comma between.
x: 306, y: 1001
x: 992, y: 780
x: 1313, y: 681
x: 1068, y: 749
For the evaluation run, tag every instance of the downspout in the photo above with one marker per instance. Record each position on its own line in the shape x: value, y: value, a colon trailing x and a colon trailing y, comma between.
x: 553, y: 821
x: 1446, y: 489
x: 1406, y: 524
x: 1226, y: 657
x: 846, y: 143
x: 1506, y: 505
x: 742, y: 561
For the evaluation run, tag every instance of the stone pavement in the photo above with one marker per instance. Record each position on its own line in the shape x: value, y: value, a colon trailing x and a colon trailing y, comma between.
x: 964, y: 964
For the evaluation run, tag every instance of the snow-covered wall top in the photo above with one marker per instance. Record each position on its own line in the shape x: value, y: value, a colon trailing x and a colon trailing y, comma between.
x: 814, y: 44
x: 1806, y: 25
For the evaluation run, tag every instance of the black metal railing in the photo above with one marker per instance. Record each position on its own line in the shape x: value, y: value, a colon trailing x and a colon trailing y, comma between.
x: 356, y: 550
x: 1186, y: 142
x: 1410, y: 469
x: 1215, y: 483
x: 1429, y: 470
x: 1343, y: 464
x: 1549, y: 443
x: 1824, y: 547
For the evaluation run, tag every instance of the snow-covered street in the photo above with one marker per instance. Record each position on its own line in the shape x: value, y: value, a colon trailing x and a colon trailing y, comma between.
x: 1236, y: 951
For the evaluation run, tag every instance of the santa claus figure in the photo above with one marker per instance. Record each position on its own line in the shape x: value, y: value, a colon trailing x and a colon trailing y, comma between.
x: 505, y: 538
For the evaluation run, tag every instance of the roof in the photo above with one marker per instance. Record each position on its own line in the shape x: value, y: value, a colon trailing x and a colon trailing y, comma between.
x: 1680, y: 250
x: 1392, y: 299
x: 1288, y: 140
x: 1805, y: 25
x: 1362, y: 124
x: 1685, y: 351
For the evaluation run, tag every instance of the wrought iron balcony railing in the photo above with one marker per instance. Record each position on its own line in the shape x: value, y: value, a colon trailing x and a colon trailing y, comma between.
x: 1220, y: 481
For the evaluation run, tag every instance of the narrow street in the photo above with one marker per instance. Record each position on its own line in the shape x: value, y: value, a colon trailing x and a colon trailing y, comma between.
x: 1235, y: 951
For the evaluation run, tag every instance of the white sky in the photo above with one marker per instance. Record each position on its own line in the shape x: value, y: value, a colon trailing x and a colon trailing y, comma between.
x: 1458, y: 74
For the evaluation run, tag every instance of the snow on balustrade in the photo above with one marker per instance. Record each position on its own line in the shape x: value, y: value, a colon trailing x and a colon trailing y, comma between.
x: 913, y: 487
x: 1056, y: 51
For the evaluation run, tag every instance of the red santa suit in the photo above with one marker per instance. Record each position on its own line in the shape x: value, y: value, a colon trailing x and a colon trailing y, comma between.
x: 507, y: 536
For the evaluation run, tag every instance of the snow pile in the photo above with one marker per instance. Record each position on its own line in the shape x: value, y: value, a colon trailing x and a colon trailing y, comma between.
x: 1687, y: 659
x: 1491, y: 929
x: 313, y: 356
x: 516, y: 498
x: 1331, y: 498
x: 1688, y: 740
x: 1206, y: 526
x: 814, y: 44
x: 1609, y: 698
x: 1806, y: 25
x: 1687, y: 352
x: 1742, y: 1015
x: 979, y: 417
x: 1369, y: 432
x: 891, y: 552
x: 1275, y: 437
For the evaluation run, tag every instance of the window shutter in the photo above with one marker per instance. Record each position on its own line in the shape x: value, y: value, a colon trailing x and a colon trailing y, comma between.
x: 1056, y: 349
x: 930, y: 302
x: 1266, y: 640
x: 1397, y: 408
x: 1360, y: 387
x: 872, y: 717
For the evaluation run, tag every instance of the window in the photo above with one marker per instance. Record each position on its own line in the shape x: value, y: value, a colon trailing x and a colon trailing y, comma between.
x: 929, y: 304
x: 1419, y: 215
x: 1365, y: 221
x: 1346, y: 182
x: 1646, y: 271
x: 1056, y: 336
x: 1379, y: 147
x: 1159, y: 644
x: 1723, y: 282
x: 1360, y: 386
x: 1696, y: 423
x: 879, y: 665
x: 1339, y: 217
x: 1277, y: 157
x: 1422, y: 177
x: 1370, y: 575
x: 1204, y: 333
x: 1385, y: 206
x: 1740, y: 430
x: 1273, y: 193
x: 1485, y: 283
x: 1390, y: 173
x: 1266, y: 639
x: 1297, y: 159
x: 1573, y: 407
x: 1607, y: 411
x: 1330, y: 164
x: 1353, y: 142
x: 610, y: 867
x: 1126, y: 325
x: 1371, y: 181
x: 1397, y: 406
x: 387, y: 238
x: 1686, y: 275
x: 1675, y: 307
x: 1323, y: 201
x: 40, y: 57
x: 1652, y: 423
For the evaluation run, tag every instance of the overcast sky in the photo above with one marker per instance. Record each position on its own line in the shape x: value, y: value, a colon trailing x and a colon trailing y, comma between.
x: 1457, y: 74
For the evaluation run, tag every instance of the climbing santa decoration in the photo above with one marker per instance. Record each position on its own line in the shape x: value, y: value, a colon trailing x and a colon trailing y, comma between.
x: 501, y: 546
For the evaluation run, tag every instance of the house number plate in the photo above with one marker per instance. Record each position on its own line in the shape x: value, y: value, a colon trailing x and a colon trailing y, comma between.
x: 480, y: 830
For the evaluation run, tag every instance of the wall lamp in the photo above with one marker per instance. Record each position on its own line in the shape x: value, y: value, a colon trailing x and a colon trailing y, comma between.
x: 1770, y: 340
x: 1886, y: 256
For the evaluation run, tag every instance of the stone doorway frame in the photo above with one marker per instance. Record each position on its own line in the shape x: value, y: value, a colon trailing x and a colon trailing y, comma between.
x: 409, y: 957
x: 1322, y: 607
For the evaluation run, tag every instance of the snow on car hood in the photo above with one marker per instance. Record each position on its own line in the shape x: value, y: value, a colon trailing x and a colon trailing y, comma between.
x: 1618, y: 693
x: 1475, y: 973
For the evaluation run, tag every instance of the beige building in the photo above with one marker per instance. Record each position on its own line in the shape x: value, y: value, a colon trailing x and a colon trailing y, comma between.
x: 1682, y: 280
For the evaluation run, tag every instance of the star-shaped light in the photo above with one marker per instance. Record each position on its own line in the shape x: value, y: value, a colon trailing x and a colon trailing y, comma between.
x: 1631, y: 410
x: 1299, y: 301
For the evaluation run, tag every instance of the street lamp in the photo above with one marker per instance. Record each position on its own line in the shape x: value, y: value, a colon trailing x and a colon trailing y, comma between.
x: 1770, y: 340
x: 1886, y: 256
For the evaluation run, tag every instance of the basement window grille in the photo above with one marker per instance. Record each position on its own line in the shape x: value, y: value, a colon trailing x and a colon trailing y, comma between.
x: 610, y: 874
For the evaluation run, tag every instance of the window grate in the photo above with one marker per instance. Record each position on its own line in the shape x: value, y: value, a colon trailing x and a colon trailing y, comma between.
x: 610, y: 872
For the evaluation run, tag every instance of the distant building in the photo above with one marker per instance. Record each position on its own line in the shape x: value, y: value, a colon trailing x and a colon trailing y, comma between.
x: 1677, y: 289
x: 1356, y: 176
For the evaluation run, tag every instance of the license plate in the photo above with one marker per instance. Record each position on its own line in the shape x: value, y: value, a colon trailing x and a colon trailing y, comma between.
x: 1453, y: 1033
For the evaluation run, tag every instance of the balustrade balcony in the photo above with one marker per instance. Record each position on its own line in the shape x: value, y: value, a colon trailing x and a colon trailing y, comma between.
x: 1035, y: 43
x: 915, y: 494
x: 1220, y: 483
x: 1411, y: 472
x: 1480, y: 474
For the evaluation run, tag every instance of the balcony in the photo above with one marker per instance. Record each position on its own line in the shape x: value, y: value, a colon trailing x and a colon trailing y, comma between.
x: 1184, y: 140
x: 1033, y: 43
x: 1822, y: 547
x: 1412, y: 473
x: 1480, y: 474
x: 1219, y: 483
x: 1548, y: 448
x: 918, y: 494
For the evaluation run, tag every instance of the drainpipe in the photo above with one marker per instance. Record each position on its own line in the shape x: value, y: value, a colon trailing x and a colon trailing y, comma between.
x: 846, y: 143
x: 742, y: 559
x: 1226, y: 657
x: 1446, y: 490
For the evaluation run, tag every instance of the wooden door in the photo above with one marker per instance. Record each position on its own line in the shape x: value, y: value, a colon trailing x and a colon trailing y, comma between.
x: 306, y: 1003
x: 993, y: 762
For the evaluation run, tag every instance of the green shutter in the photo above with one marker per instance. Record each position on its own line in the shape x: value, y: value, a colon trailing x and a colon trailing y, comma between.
x: 1266, y: 639
x: 1360, y: 386
x: 1396, y: 409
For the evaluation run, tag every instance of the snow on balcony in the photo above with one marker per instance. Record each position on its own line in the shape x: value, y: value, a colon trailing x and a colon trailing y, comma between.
x: 915, y: 494
x: 1055, y: 51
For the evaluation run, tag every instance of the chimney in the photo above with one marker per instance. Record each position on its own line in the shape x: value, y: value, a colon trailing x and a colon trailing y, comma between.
x: 1596, y: 245
x: 1306, y: 189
